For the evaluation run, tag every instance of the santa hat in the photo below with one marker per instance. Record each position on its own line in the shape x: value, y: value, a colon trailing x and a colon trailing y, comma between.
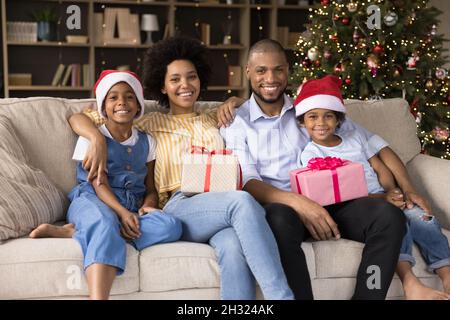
x: 321, y: 93
x: 108, y: 78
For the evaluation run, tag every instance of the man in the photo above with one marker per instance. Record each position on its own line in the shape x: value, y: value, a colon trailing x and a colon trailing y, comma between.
x: 266, y: 138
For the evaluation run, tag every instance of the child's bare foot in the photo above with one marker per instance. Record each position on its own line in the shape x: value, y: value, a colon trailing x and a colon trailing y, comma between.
x: 418, y: 291
x: 46, y: 230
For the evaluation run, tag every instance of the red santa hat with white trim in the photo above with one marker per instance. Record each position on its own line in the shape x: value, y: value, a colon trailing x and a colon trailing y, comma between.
x: 108, y: 78
x: 324, y: 93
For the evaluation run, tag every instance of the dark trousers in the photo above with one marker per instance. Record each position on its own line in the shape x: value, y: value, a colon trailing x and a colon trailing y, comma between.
x: 374, y: 222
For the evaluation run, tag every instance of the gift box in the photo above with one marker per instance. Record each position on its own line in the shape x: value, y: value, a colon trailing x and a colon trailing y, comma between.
x: 210, y: 171
x: 330, y: 180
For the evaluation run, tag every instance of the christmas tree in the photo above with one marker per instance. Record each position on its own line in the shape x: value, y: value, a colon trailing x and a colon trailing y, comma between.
x: 382, y: 49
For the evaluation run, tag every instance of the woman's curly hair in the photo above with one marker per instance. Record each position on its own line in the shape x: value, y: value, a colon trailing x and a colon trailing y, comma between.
x: 163, y: 53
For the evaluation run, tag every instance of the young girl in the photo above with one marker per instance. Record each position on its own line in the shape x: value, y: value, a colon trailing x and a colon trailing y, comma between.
x: 102, y: 212
x: 321, y: 112
x: 176, y: 70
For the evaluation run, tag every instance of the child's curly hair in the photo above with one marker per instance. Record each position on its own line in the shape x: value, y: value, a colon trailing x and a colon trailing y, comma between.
x: 163, y: 53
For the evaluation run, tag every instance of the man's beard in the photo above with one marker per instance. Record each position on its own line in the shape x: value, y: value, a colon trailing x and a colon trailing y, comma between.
x: 269, y: 101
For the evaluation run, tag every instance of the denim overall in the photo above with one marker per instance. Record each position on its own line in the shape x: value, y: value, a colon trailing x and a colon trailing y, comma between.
x: 98, y: 226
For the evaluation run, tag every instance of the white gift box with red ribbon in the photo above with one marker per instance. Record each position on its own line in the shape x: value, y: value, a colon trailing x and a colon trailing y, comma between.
x: 210, y: 171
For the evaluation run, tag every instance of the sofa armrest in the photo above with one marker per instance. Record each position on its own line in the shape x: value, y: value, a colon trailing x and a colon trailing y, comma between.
x: 431, y: 177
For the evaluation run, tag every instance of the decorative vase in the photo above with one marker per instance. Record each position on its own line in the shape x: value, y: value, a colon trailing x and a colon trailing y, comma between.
x: 46, y: 31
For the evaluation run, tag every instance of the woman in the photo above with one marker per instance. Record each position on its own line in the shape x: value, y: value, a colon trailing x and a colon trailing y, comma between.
x: 233, y: 223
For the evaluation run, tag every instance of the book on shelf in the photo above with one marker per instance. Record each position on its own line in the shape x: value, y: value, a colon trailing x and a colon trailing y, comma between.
x: 65, y: 80
x: 75, y: 80
x: 58, y: 74
x: 86, y: 76
x: 205, y: 32
x: 166, y: 32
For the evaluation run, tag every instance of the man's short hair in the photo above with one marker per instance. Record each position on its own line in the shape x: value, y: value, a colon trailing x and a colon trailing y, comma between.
x: 266, y: 45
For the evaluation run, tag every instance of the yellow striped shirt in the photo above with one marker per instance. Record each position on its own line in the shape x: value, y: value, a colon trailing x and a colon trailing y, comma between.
x: 174, y: 134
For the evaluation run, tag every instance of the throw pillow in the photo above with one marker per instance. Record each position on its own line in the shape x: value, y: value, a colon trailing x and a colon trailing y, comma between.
x: 27, y: 197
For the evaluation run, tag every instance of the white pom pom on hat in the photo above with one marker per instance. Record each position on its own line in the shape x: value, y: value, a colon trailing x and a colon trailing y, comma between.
x: 324, y: 93
x: 108, y: 78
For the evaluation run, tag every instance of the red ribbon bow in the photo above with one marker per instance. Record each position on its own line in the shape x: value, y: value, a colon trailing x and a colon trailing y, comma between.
x: 203, y: 150
x: 327, y: 163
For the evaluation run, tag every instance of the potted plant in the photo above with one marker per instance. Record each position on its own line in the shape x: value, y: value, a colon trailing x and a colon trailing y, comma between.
x: 46, y: 19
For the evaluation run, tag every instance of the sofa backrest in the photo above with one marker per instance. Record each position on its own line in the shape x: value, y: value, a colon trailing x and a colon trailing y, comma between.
x: 41, y: 124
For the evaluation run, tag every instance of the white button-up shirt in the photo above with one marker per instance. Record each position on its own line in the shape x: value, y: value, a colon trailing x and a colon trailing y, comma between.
x: 268, y: 147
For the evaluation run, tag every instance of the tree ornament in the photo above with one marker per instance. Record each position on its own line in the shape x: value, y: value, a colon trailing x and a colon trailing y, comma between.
x: 356, y: 36
x: 411, y: 64
x: 352, y: 7
x: 398, y: 71
x: 440, y: 134
x: 433, y: 30
x: 313, y: 54
x: 336, y: 17
x: 346, y: 21
x: 378, y: 49
x: 373, y: 64
x: 429, y: 84
x: 324, y: 2
x: 334, y: 37
x: 418, y: 117
x: 339, y: 67
x: 348, y: 80
x: 327, y: 54
x: 390, y: 19
x: 448, y: 98
x: 317, y: 63
x: 441, y: 73
x: 306, y: 63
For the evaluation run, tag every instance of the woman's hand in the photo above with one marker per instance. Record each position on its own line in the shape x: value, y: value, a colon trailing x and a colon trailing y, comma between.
x: 225, y: 112
x: 130, y: 225
x: 95, y: 160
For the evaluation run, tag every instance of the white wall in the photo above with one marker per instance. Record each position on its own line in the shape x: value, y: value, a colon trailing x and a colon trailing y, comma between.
x: 444, y: 25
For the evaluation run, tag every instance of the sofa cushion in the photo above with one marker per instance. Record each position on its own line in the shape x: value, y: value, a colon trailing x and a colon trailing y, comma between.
x: 186, y: 265
x: 340, y: 259
x: 27, y: 196
x: 391, y: 120
x: 39, y: 268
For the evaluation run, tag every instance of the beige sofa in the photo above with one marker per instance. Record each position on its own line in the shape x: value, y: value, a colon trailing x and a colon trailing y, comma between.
x: 51, y: 268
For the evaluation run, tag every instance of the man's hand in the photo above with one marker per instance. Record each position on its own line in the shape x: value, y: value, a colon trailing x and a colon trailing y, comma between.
x: 130, y: 225
x: 413, y: 198
x: 144, y: 210
x: 95, y: 161
x: 225, y: 112
x: 395, y: 196
x: 316, y: 219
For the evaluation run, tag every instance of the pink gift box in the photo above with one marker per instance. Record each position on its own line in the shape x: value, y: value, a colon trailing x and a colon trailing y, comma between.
x: 329, y: 186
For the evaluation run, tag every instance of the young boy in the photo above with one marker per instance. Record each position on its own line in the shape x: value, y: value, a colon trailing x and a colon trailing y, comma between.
x: 320, y: 109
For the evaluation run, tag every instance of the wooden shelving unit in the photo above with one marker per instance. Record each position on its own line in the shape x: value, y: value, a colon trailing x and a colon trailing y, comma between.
x: 42, y: 58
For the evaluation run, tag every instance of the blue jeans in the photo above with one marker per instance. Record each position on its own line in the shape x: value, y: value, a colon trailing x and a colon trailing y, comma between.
x: 234, y: 224
x: 426, y: 232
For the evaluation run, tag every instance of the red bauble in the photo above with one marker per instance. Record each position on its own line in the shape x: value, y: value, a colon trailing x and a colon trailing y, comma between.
x: 348, y: 80
x: 324, y: 2
x: 317, y: 63
x: 327, y: 54
x: 334, y: 38
x: 378, y: 49
x: 346, y: 21
x: 307, y: 63
x: 448, y: 98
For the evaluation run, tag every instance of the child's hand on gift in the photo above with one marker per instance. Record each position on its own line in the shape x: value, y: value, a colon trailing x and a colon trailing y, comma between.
x: 130, y: 225
x: 144, y: 210
x: 395, y: 196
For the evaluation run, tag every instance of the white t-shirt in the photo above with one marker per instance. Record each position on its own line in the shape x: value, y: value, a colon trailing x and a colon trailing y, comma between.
x: 354, y: 147
x: 83, y: 144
